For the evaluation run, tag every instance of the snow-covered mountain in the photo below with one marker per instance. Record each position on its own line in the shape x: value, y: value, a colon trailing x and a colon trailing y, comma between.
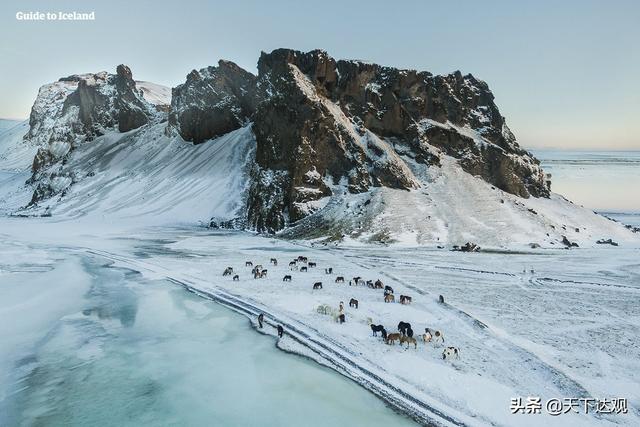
x: 310, y: 147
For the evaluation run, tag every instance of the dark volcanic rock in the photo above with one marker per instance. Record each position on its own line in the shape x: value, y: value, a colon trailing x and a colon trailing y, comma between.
x: 607, y: 242
x: 568, y: 243
x: 467, y: 247
x: 304, y: 134
x: 318, y: 122
x: 105, y: 101
x: 212, y: 102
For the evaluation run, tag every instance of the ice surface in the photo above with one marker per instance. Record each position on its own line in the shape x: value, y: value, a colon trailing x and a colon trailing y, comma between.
x: 84, y: 344
x: 600, y: 180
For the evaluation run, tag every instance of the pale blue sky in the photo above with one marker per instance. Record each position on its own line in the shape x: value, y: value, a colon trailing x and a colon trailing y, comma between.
x: 564, y: 73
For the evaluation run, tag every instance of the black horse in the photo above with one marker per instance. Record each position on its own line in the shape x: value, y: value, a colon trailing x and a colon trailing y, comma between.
x: 403, y: 327
x: 377, y: 328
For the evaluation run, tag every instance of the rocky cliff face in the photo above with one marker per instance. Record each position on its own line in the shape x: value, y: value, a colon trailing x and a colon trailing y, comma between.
x: 77, y: 109
x: 212, y: 102
x: 322, y: 125
x: 323, y: 128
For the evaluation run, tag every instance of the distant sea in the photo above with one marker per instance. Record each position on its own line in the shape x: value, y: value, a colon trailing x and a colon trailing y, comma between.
x: 607, y: 182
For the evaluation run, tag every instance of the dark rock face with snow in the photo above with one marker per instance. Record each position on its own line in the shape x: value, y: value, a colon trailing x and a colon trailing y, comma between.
x: 322, y: 128
x: 319, y: 122
x: 212, y: 102
x: 77, y: 109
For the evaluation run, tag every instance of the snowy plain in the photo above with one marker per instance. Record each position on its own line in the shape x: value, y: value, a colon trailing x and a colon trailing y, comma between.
x: 567, y: 330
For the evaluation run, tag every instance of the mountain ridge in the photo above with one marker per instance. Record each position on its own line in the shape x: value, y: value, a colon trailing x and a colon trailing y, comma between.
x: 332, y: 147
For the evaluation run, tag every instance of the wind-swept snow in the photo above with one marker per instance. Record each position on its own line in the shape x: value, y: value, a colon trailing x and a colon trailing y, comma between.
x: 146, y: 176
x: 16, y: 157
x: 154, y: 93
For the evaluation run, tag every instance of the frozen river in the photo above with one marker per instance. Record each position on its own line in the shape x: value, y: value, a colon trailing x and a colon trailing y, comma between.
x: 84, y: 343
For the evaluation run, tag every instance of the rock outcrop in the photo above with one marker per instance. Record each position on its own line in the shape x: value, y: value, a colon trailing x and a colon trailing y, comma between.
x: 77, y: 109
x: 319, y: 122
x: 212, y: 102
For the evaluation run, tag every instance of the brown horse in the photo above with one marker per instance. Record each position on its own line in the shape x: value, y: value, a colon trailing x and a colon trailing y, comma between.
x: 409, y: 340
x: 392, y: 338
x: 389, y: 298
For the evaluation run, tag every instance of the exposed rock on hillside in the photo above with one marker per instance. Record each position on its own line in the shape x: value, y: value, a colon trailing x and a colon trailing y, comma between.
x: 323, y: 128
x: 319, y: 122
x: 77, y: 109
x: 212, y: 102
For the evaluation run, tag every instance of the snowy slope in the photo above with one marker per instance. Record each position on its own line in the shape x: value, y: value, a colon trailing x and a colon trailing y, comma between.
x: 7, y: 124
x: 16, y: 157
x: 144, y: 173
x: 154, y: 93
x: 145, y: 176
x: 452, y: 208
x: 14, y: 153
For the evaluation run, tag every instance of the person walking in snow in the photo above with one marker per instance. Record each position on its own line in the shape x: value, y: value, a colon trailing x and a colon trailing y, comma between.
x: 260, y: 319
x: 280, y: 331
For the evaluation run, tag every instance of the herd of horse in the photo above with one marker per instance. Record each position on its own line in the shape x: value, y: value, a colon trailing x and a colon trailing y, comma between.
x: 404, y: 334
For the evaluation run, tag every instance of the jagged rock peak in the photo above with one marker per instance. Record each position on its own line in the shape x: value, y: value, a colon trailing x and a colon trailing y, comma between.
x: 79, y: 108
x: 213, y: 101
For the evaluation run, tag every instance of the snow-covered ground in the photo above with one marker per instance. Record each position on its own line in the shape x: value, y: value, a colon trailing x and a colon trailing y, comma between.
x: 85, y: 343
x: 567, y: 330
